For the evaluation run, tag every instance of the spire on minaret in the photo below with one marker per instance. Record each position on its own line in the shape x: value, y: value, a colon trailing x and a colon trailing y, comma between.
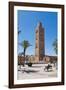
x: 39, y: 25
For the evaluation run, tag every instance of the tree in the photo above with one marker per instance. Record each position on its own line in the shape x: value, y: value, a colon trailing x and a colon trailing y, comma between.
x: 25, y: 44
x: 19, y: 32
x: 55, y: 46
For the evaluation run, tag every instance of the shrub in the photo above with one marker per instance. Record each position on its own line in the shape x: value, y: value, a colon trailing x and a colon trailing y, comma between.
x: 29, y: 64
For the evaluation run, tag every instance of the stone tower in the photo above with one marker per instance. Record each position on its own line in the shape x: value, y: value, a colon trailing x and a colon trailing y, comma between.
x: 39, y: 44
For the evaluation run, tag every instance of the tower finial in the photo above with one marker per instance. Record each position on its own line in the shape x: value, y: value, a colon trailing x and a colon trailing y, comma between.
x: 39, y: 24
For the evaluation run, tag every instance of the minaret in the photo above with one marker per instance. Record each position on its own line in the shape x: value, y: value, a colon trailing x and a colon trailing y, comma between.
x: 39, y: 44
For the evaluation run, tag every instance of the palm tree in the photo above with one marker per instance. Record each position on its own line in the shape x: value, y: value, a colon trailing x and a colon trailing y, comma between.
x: 55, y: 46
x: 19, y: 32
x: 25, y: 44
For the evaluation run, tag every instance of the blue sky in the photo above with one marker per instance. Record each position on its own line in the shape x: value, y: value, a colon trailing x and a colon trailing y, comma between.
x: 27, y: 23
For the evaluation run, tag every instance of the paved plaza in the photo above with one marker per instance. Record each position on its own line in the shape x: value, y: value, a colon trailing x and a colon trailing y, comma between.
x: 36, y: 71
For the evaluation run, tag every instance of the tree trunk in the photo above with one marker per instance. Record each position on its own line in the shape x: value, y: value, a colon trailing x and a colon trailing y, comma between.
x: 24, y: 56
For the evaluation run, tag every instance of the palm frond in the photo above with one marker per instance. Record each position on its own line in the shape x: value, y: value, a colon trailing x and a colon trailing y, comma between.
x: 55, y: 46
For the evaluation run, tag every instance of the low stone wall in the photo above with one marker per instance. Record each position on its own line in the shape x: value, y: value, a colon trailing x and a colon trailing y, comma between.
x: 46, y: 59
x: 50, y: 59
x: 20, y: 60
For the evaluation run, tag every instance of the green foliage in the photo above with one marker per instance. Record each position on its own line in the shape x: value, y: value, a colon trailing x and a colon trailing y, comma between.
x: 25, y: 44
x: 55, y: 46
